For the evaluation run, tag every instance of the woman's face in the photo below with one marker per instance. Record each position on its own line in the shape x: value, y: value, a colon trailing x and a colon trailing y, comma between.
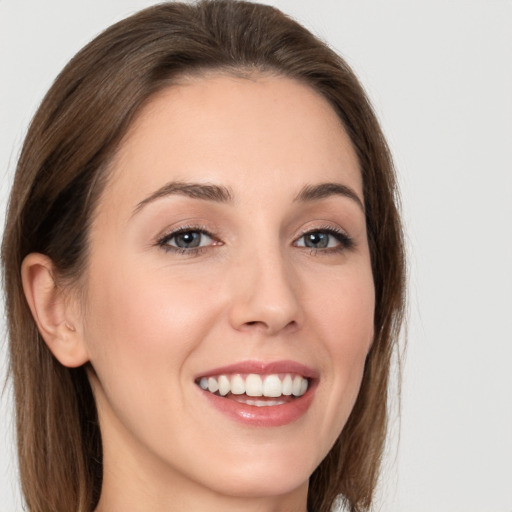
x: 228, y: 250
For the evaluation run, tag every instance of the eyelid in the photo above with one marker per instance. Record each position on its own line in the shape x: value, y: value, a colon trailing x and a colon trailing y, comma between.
x: 162, y: 240
x: 346, y: 242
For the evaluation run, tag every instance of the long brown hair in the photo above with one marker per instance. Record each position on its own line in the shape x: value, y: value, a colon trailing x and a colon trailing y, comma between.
x: 61, y: 173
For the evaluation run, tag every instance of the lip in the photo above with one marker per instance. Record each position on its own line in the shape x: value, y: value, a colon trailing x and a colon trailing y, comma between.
x: 262, y: 368
x: 271, y: 416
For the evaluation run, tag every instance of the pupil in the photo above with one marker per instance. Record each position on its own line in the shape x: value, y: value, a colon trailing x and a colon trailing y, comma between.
x: 188, y: 240
x: 317, y: 240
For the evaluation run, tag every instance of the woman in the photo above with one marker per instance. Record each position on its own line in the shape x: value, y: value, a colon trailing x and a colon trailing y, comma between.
x: 204, y: 272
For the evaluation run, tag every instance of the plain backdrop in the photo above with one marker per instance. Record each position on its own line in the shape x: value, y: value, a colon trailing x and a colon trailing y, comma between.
x: 439, y: 73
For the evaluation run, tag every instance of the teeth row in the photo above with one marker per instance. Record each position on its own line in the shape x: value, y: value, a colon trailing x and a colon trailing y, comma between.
x: 256, y: 385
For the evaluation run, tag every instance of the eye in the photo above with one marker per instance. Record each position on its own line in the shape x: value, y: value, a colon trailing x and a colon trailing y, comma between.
x: 329, y: 239
x: 186, y: 240
x: 189, y: 240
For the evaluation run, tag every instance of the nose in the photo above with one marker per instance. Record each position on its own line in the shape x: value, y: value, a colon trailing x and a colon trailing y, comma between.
x: 265, y: 296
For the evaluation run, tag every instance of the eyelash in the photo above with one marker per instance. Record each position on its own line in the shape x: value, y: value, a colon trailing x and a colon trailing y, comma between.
x: 163, y: 242
x: 345, y: 241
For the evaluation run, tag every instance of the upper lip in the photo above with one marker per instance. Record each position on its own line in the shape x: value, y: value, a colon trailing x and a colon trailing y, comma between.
x: 263, y: 368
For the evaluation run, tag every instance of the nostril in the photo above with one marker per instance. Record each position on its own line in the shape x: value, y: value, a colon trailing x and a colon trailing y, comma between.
x: 258, y: 324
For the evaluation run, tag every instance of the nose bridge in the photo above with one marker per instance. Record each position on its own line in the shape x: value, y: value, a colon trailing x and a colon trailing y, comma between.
x: 265, y: 291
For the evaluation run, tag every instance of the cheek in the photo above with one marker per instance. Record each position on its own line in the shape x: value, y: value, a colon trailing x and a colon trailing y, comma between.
x: 137, y: 319
x: 344, y: 311
x: 345, y: 322
x: 141, y: 330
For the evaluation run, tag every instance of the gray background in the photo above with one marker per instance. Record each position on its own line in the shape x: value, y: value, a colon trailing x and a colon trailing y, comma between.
x: 440, y: 76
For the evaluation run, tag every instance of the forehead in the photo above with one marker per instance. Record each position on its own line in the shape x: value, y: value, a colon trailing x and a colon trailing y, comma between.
x: 237, y: 131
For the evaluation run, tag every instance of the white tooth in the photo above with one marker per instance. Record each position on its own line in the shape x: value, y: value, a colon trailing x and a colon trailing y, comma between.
x: 253, y: 385
x: 224, y: 385
x: 297, y: 384
x: 264, y: 403
x: 304, y: 386
x: 213, y: 385
x: 287, y: 385
x: 237, y: 385
x: 203, y: 383
x: 272, y: 386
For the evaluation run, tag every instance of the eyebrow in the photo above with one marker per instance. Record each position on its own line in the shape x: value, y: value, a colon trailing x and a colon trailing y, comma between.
x: 204, y: 191
x: 221, y: 194
x: 324, y: 190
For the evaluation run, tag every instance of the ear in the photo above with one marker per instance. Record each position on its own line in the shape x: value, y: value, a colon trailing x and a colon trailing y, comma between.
x: 55, y: 312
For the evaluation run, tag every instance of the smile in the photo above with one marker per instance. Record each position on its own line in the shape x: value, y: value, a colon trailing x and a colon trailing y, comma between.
x: 259, y: 394
x: 275, y: 385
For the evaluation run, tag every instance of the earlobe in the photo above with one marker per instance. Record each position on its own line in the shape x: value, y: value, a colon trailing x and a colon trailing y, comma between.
x: 53, y: 311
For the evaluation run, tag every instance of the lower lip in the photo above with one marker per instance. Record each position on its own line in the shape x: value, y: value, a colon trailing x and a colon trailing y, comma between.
x: 268, y: 416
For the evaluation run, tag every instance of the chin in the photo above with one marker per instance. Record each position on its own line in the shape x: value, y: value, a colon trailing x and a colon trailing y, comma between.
x: 263, y: 484
x: 257, y: 476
